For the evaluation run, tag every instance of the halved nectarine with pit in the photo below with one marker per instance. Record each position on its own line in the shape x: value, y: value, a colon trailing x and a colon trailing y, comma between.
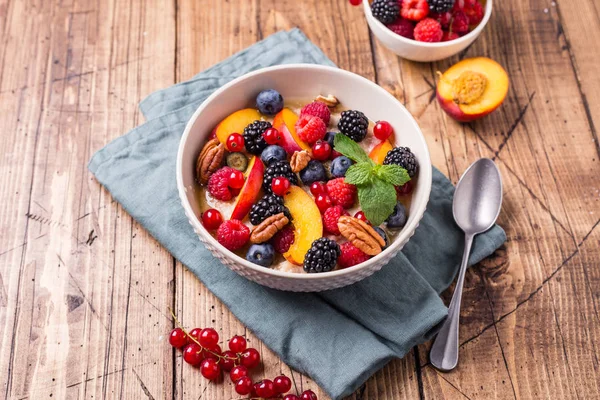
x: 472, y: 88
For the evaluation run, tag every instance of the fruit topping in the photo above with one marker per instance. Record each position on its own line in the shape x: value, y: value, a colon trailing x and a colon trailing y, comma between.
x: 280, y: 185
x: 266, y: 207
x: 272, y: 136
x: 285, y: 123
x: 428, y: 30
x: 323, y: 202
x: 379, y: 152
x: 321, y: 150
x: 236, y: 123
x: 253, y: 136
x: 402, y: 27
x: 250, y: 191
x: 236, y: 179
x: 415, y: 10
x: 403, y: 157
x: 331, y: 217
x: 317, y: 109
x: 386, y: 11
x: 339, y: 166
x: 475, y: 13
x: 283, y: 239
x: 449, y: 35
x: 310, y: 128
x: 353, y: 124
x: 272, y: 154
x: 261, y: 254
x: 341, y: 193
x: 382, y: 130
x: 361, y: 216
x: 233, y: 234
x: 269, y: 102
x: 398, y: 218
x: 440, y: 6
x: 322, y: 256
x: 460, y: 23
x: 307, y: 223
x: 317, y: 188
x: 218, y: 184
x: 383, y: 235
x: 351, y: 255
x: 313, y: 172
x: 235, y: 142
x: 277, y: 169
x: 212, y: 219
x: 405, y: 189
x: 237, y: 161
x: 443, y: 18
x: 472, y: 88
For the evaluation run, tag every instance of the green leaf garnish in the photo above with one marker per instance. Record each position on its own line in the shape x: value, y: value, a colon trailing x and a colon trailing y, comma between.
x: 377, y: 200
x: 359, y: 174
x: 394, y: 174
x: 348, y: 147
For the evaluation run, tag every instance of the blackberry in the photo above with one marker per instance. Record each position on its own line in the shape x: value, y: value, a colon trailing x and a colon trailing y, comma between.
x: 387, y: 11
x: 322, y: 255
x: 440, y: 6
x: 353, y: 124
x: 253, y: 137
x: 278, y: 168
x: 403, y: 157
x: 266, y: 207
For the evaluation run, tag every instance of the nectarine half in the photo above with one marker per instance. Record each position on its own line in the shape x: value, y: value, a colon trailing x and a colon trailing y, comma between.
x: 308, y: 225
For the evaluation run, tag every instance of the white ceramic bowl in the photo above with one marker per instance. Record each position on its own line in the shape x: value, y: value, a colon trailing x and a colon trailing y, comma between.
x: 421, y: 51
x: 302, y: 81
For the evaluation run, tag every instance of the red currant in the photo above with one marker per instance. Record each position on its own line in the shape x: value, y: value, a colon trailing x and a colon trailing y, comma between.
x: 195, y: 333
x: 236, y: 179
x: 211, y: 352
x: 317, y: 188
x: 282, y: 384
x: 280, y: 185
x: 272, y: 136
x: 265, y: 389
x: 334, y: 155
x: 237, y: 344
x: 382, y: 130
x: 212, y: 219
x: 243, y: 385
x: 356, y: 2
x: 228, y: 360
x: 208, y: 337
x: 405, y: 189
x: 321, y: 150
x: 323, y: 202
x: 210, y: 369
x: 178, y: 338
x: 192, y: 354
x: 238, y: 372
x: 235, y: 142
x: 250, y: 358
x: 308, y: 395
x: 361, y: 215
x: 291, y: 397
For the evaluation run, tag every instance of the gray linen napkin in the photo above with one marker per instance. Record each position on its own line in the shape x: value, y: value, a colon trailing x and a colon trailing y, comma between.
x: 339, y: 337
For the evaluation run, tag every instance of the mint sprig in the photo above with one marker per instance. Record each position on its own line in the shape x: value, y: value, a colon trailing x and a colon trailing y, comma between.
x: 375, y: 183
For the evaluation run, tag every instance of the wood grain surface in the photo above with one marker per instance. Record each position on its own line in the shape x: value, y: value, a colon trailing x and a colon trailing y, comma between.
x: 85, y: 292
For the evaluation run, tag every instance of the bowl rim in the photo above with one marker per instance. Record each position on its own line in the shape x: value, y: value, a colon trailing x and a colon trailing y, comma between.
x: 425, y: 178
x: 463, y: 39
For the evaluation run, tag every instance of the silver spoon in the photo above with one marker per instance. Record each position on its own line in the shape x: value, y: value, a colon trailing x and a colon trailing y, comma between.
x: 476, y: 206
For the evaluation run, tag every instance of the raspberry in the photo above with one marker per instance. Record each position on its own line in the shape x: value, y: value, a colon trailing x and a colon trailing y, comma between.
x: 444, y: 19
x: 428, y: 30
x: 460, y: 24
x: 283, y: 239
x: 460, y: 5
x: 475, y: 13
x: 310, y: 128
x: 341, y: 193
x: 317, y: 109
x: 415, y: 10
x: 331, y: 217
x: 233, y: 234
x: 351, y: 255
x: 449, y: 35
x: 402, y: 27
x: 218, y: 184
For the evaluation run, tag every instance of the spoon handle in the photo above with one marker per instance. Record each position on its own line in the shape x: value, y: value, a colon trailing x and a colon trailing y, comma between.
x: 444, y: 352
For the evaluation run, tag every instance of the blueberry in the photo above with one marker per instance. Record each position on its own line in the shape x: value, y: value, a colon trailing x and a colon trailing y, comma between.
x: 273, y: 153
x: 398, y: 218
x: 339, y: 166
x: 261, y: 254
x: 269, y: 102
x: 382, y: 233
x: 313, y: 172
x: 329, y: 138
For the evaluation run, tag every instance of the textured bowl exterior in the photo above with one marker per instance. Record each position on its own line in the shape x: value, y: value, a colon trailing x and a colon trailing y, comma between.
x: 420, y: 51
x: 353, y: 90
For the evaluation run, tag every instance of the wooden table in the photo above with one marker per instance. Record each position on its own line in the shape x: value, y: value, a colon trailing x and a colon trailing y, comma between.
x: 85, y: 291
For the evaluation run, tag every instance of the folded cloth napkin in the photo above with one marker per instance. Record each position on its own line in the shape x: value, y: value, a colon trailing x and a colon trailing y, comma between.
x: 339, y: 337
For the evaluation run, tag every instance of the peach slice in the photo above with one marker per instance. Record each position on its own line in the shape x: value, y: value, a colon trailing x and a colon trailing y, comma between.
x: 308, y: 225
x: 472, y: 88
x: 285, y: 122
x: 235, y: 123
x: 379, y: 152
x: 251, y: 190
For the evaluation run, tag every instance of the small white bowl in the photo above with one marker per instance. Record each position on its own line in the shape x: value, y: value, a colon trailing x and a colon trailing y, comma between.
x: 302, y: 81
x: 422, y: 51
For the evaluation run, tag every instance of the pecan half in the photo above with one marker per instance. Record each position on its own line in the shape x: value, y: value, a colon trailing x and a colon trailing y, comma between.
x: 330, y: 100
x: 299, y: 160
x: 360, y: 234
x: 268, y: 228
x: 209, y: 160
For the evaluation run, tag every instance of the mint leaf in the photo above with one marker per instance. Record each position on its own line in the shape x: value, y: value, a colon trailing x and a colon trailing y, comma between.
x: 377, y: 200
x: 359, y: 174
x: 348, y: 147
x: 394, y: 174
